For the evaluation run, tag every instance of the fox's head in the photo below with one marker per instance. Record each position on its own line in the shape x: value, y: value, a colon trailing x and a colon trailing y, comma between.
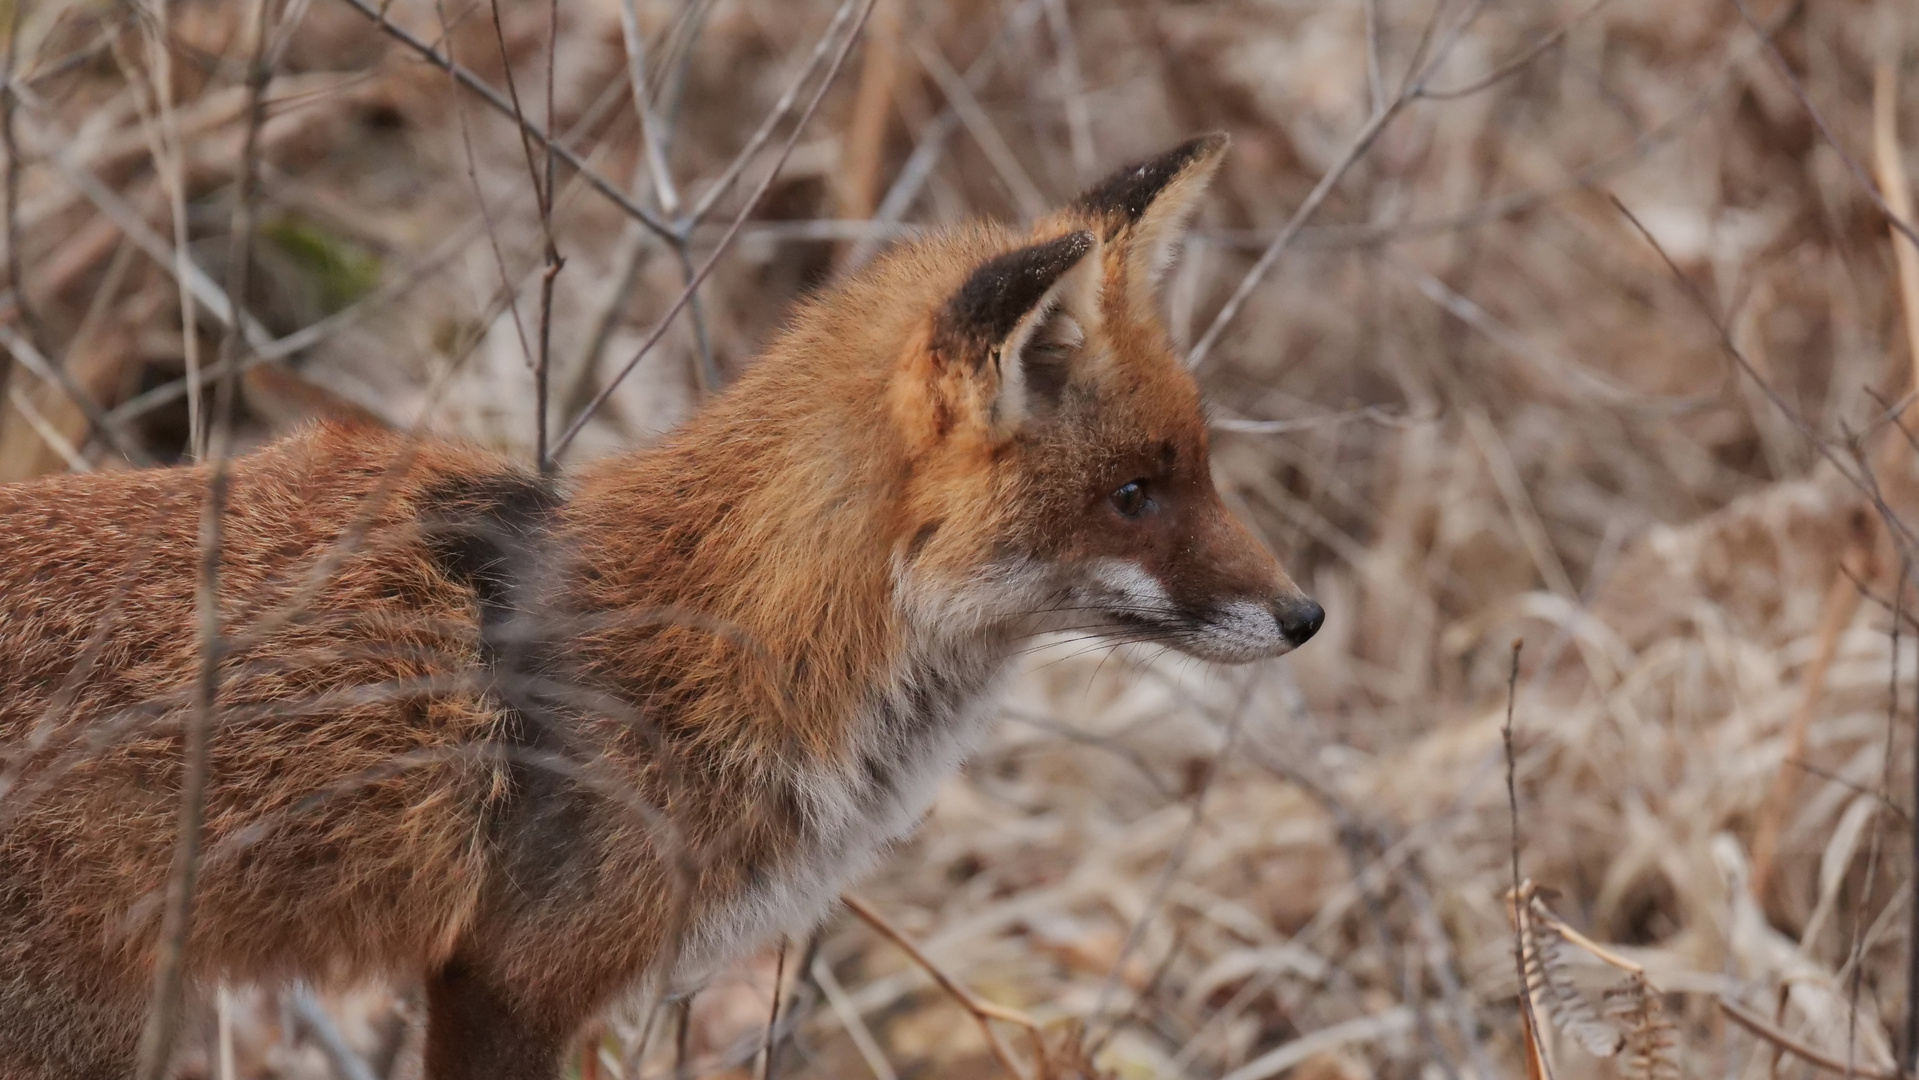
x: 1057, y: 471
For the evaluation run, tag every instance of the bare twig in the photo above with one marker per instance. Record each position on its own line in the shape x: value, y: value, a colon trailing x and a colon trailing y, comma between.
x: 1536, y: 1065
x: 103, y: 426
x: 682, y: 1062
x: 1764, y: 1028
x: 1856, y: 947
x: 176, y: 923
x: 839, y: 59
x: 1196, y: 817
x: 207, y: 293
x: 849, y: 1018
x: 773, y: 1016
x: 782, y: 108
x: 493, y: 98
x: 1327, y: 181
x: 863, y: 149
x: 554, y: 263
x: 1890, y: 164
x: 49, y: 434
x: 983, y: 1011
x: 1079, y: 118
x: 346, y: 1062
x: 16, y: 276
x: 932, y: 138
x: 1026, y: 194
x: 1517, y: 63
x: 1895, y: 220
x: 652, y: 147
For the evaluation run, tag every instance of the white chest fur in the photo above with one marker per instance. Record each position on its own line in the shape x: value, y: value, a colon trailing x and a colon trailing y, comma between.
x: 913, y: 733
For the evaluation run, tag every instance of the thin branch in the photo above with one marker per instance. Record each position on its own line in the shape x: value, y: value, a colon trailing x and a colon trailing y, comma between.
x: 1330, y: 179
x: 44, y: 428
x: 492, y: 97
x: 206, y: 292
x: 781, y: 109
x: 773, y: 1017
x: 1865, y: 483
x: 1182, y: 848
x: 104, y: 426
x: 983, y: 1011
x: 16, y: 275
x: 1006, y: 164
x: 686, y: 294
x: 932, y: 138
x: 1763, y: 1028
x: 1079, y: 119
x: 1536, y: 1058
x: 1375, y: 76
x: 849, y: 1018
x: 1526, y: 56
x: 554, y: 262
x: 1856, y: 948
x: 653, y: 153
x: 682, y: 1062
x: 346, y: 1062
x: 176, y: 923
x: 1894, y: 219
x: 479, y: 192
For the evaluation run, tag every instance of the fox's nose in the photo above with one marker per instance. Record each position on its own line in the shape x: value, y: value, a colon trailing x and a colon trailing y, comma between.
x: 1298, y: 618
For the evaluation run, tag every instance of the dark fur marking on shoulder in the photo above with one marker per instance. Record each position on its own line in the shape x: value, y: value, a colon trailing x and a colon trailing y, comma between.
x: 1000, y: 293
x: 1126, y: 193
x: 491, y: 534
x: 483, y: 531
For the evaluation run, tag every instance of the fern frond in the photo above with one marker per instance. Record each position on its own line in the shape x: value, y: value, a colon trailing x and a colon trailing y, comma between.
x: 1566, y: 1007
x: 1649, y: 1035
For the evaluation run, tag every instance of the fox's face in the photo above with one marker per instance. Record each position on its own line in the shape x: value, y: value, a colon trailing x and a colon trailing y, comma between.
x: 1059, y: 473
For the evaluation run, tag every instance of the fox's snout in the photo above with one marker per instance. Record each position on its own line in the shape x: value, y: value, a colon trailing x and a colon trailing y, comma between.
x: 1248, y: 607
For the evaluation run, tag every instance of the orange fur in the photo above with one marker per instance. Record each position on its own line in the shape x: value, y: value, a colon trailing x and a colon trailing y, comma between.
x: 541, y: 747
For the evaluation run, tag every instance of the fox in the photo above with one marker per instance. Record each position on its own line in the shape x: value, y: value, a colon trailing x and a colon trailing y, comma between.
x: 538, y: 743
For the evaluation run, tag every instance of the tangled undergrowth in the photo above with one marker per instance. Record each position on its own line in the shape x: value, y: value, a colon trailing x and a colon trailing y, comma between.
x: 1597, y: 337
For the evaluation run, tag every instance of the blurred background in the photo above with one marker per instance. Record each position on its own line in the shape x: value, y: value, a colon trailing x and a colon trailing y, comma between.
x: 1580, y: 324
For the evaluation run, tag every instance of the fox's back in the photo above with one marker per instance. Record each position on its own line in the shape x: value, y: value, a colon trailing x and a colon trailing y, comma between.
x: 336, y: 772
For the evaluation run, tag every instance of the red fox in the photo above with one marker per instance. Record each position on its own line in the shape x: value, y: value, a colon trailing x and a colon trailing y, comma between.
x: 544, y: 743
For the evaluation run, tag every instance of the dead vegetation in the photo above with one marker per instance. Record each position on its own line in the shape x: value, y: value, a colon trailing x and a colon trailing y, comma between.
x: 1590, y: 324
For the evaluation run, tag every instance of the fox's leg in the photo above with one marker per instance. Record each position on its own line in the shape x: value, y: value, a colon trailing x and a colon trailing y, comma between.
x: 475, y: 1031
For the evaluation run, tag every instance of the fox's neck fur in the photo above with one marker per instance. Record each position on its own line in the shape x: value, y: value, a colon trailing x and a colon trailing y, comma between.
x: 703, y: 556
x: 699, y: 559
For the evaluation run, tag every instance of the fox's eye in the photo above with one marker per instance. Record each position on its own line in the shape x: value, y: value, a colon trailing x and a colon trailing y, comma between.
x: 1130, y: 499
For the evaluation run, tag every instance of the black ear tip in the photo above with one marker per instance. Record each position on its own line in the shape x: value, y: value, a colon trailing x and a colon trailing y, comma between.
x: 1128, y: 191
x: 1208, y: 144
x: 1074, y: 246
x: 1000, y: 291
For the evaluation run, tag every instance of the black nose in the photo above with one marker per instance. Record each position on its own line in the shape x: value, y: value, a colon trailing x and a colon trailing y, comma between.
x: 1299, y: 619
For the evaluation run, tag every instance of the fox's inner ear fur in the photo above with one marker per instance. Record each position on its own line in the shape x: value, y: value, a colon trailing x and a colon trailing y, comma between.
x: 1015, y: 324
x: 1145, y: 207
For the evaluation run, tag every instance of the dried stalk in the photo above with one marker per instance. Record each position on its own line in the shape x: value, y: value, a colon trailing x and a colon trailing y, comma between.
x: 983, y: 1011
x: 176, y: 923
x: 1836, y: 612
x: 1763, y: 1028
x: 1536, y: 1066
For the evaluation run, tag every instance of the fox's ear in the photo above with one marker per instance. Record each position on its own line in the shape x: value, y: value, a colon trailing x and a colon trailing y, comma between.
x: 1012, y: 328
x: 1145, y: 207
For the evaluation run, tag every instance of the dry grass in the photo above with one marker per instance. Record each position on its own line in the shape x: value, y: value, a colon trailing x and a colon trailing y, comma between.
x: 1470, y: 402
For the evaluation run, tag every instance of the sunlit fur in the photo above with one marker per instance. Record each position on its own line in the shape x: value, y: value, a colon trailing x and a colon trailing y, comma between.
x: 541, y: 748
